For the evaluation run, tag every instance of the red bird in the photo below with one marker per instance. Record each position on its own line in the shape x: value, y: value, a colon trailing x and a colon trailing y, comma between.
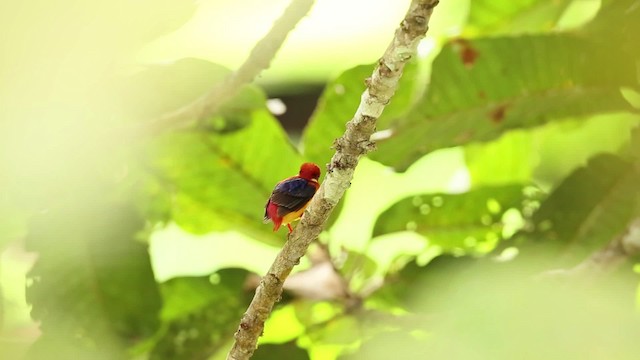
x: 291, y: 196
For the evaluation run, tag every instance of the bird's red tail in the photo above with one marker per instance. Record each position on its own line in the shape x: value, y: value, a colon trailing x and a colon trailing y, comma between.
x: 272, y: 213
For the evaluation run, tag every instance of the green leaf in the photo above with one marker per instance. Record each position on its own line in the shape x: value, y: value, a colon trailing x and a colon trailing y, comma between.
x: 282, y: 326
x: 481, y: 88
x: 509, y: 16
x: 92, y: 287
x: 221, y: 181
x: 591, y: 206
x: 471, y: 221
x: 509, y: 159
x: 339, y: 102
x: 200, y: 314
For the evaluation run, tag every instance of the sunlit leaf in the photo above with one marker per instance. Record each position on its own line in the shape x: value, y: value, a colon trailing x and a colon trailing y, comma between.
x: 509, y: 159
x: 548, y: 153
x: 282, y: 326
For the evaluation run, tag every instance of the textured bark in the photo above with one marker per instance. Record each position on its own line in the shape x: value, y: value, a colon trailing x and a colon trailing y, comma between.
x: 355, y: 142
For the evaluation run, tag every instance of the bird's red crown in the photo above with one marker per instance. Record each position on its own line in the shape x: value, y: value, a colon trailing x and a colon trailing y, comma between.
x: 309, y: 171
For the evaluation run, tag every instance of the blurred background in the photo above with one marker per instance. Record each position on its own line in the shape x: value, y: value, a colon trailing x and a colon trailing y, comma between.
x: 497, y: 219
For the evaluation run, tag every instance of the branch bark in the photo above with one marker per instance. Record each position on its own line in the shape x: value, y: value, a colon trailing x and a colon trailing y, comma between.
x: 355, y: 143
x: 259, y: 59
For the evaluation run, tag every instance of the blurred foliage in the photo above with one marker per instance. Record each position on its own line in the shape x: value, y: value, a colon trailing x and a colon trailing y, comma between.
x: 537, y: 99
x: 463, y: 308
x: 589, y: 207
x: 473, y: 221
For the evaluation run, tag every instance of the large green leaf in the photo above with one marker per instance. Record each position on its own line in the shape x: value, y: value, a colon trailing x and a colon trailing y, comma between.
x: 591, y: 206
x: 340, y: 101
x: 219, y: 181
x: 471, y: 222
x: 482, y: 88
x: 200, y: 314
x: 92, y: 287
x: 548, y: 153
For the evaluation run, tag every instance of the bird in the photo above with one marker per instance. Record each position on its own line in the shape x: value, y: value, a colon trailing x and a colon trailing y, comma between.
x: 291, y: 196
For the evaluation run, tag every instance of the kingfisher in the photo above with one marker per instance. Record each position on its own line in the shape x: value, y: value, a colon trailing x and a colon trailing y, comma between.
x: 291, y: 196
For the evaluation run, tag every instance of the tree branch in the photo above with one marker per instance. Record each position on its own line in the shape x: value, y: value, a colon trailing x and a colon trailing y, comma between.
x: 349, y: 148
x: 258, y: 60
x: 608, y: 258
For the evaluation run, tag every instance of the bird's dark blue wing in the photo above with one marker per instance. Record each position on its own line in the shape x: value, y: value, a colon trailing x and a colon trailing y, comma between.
x: 292, y: 194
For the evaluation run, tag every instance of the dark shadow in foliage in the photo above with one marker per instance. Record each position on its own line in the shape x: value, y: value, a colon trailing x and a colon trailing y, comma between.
x: 200, y: 314
x: 92, y: 287
x: 287, y: 351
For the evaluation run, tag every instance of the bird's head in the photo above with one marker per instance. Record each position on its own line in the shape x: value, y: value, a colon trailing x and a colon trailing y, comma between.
x: 309, y: 171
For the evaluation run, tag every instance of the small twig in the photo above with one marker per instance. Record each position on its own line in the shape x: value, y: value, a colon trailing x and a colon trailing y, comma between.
x: 258, y: 60
x: 607, y: 259
x: 349, y: 148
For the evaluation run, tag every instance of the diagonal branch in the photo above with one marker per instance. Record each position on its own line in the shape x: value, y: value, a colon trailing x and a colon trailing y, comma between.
x: 607, y: 259
x: 258, y: 60
x: 349, y: 148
